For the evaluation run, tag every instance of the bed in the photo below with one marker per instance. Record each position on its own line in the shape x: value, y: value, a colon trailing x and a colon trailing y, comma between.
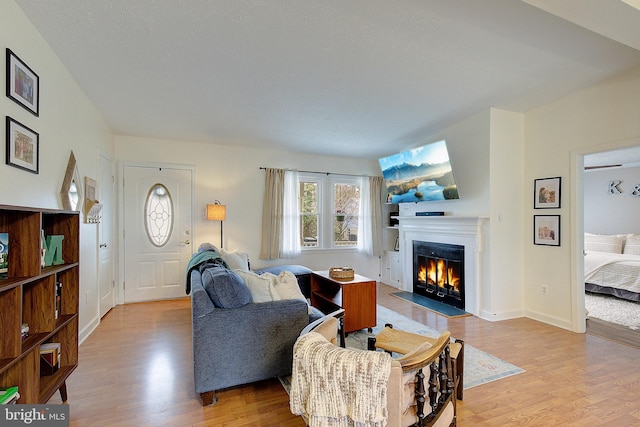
x: 612, y: 265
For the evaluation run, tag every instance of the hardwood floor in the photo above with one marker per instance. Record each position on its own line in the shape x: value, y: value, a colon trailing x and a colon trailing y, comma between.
x: 613, y: 332
x: 136, y: 370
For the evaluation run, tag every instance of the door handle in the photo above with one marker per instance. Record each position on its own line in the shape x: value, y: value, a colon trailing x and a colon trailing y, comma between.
x: 186, y: 242
x: 103, y: 245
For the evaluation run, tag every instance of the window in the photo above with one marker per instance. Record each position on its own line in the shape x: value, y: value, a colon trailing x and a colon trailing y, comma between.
x: 158, y: 215
x: 329, y: 211
x: 346, y: 209
x: 310, y: 190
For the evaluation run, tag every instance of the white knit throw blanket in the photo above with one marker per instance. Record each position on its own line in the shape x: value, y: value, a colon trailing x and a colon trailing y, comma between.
x: 337, y: 387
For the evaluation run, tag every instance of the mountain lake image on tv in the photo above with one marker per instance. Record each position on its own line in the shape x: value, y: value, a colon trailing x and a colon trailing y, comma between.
x: 419, y: 175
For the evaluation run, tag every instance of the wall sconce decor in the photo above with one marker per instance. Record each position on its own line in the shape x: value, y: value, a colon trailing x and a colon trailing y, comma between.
x: 217, y: 212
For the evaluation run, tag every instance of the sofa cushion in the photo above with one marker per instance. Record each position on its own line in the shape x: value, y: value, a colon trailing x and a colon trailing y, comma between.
x: 225, y: 288
x: 261, y: 287
x: 302, y: 273
x: 286, y: 285
x: 235, y: 260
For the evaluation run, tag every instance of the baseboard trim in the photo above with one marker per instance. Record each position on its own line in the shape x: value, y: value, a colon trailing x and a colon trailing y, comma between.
x: 88, y: 330
x: 551, y: 320
x: 505, y: 315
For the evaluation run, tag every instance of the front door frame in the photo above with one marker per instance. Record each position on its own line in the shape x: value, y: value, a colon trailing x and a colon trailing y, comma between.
x: 121, y: 207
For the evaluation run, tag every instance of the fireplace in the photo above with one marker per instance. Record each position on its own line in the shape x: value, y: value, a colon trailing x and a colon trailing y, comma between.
x: 438, y: 272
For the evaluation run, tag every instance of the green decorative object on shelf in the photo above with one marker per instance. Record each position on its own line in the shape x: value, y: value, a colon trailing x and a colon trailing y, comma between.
x: 53, y: 255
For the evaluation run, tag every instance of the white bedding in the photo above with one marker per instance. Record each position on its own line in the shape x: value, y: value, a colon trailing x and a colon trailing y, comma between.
x: 621, y: 271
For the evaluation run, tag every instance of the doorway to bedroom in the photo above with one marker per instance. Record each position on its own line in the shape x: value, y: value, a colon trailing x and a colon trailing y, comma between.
x: 611, y: 204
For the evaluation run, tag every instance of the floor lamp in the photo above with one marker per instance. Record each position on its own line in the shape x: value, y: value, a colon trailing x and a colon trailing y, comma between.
x: 217, y: 212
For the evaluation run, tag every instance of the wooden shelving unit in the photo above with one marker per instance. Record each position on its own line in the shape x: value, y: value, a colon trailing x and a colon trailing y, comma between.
x: 356, y: 296
x: 390, y: 268
x: 27, y: 295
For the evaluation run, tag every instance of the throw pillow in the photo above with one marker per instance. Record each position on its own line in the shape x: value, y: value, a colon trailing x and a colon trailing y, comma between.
x: 235, y: 260
x: 632, y: 246
x: 603, y: 243
x: 225, y: 288
x: 286, y: 285
x: 261, y: 288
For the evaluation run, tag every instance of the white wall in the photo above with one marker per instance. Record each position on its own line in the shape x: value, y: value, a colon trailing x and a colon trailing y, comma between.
x: 487, y: 156
x: 606, y: 213
x: 557, y: 135
x: 468, y: 143
x: 233, y: 176
x: 503, y: 297
x: 67, y: 121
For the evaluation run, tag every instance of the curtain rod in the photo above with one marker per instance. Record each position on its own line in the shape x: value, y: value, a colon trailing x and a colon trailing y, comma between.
x: 324, y: 173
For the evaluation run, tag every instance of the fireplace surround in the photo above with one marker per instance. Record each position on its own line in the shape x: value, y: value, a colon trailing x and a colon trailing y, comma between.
x: 467, y: 232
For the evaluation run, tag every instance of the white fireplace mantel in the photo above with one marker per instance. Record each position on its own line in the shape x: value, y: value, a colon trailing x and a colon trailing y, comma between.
x: 456, y: 230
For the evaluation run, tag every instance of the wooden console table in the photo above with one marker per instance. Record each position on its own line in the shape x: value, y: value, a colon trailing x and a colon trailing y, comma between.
x: 356, y: 296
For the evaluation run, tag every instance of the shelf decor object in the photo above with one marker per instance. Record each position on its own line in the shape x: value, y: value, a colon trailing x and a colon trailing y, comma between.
x: 4, y: 254
x: 341, y: 273
x: 23, y: 147
x: 23, y: 85
x: 53, y: 255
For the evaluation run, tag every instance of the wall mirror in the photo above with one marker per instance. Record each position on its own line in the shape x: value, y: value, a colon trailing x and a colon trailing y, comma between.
x: 71, y: 190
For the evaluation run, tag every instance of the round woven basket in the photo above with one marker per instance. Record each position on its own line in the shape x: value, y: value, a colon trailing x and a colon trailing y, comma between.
x: 341, y: 273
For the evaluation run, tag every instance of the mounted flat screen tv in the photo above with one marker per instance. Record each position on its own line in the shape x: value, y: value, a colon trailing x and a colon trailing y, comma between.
x: 420, y: 175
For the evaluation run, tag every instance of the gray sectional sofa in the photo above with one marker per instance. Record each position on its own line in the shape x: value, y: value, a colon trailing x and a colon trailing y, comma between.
x: 237, y: 341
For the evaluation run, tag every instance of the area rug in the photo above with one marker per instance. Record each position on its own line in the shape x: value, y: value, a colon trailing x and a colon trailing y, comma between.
x: 613, y: 310
x: 479, y: 367
x: 430, y: 304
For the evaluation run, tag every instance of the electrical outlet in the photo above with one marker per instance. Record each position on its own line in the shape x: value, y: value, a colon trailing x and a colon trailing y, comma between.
x: 544, y: 289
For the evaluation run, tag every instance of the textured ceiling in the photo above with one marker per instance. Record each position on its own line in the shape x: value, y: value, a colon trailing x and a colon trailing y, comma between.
x: 361, y: 78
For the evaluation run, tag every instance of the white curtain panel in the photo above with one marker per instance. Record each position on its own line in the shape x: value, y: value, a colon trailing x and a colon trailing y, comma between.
x: 370, y: 229
x: 290, y: 246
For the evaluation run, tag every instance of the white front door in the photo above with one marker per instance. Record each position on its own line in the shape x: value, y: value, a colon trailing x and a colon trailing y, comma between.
x: 106, y: 234
x: 157, y: 231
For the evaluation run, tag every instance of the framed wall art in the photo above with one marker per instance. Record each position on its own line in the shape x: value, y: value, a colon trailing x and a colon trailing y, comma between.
x: 23, y: 84
x: 546, y: 230
x: 546, y: 193
x: 23, y: 147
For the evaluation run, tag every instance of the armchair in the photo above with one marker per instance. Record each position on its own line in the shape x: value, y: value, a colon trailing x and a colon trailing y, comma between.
x: 419, y: 389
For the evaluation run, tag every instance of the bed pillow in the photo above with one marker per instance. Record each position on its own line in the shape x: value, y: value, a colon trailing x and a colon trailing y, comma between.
x: 235, y: 260
x: 261, y: 288
x: 632, y: 246
x: 225, y: 288
x: 603, y: 243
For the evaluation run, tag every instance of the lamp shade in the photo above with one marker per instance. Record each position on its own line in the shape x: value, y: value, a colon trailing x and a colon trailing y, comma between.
x: 216, y: 212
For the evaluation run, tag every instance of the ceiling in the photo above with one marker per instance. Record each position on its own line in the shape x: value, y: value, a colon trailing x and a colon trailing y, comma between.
x: 360, y: 78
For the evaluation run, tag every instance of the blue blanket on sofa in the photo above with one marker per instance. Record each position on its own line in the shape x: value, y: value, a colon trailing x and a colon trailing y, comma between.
x: 203, y: 259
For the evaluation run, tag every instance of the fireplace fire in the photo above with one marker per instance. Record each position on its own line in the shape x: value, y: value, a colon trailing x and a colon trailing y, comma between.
x: 439, y: 272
